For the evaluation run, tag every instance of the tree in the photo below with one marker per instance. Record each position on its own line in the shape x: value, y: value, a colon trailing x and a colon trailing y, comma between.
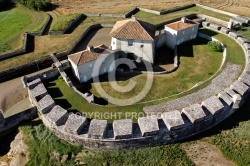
x: 36, y: 4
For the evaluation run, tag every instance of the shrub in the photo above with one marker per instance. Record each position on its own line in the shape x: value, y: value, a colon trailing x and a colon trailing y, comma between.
x: 215, y: 46
x: 36, y: 4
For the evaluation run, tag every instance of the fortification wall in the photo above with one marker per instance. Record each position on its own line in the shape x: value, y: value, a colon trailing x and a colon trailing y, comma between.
x: 169, y: 127
x: 70, y: 25
x: 217, y: 11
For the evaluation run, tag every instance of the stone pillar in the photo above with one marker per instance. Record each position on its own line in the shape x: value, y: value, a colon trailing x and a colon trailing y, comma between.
x: 2, y: 120
x: 236, y: 100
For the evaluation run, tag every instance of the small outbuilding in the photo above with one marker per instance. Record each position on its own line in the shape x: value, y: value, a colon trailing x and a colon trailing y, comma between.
x: 180, y: 31
x: 83, y: 62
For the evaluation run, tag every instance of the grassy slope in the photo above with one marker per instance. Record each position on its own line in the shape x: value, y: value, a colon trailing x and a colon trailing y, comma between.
x: 15, y: 22
x: 46, y: 149
x: 155, y: 19
x: 61, y: 22
x: 204, y: 64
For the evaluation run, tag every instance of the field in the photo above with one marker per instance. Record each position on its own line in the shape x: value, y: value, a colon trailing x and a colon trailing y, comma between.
x: 240, y: 7
x: 13, y: 24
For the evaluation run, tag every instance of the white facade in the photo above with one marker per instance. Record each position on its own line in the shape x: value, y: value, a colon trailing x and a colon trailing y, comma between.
x: 177, y: 37
x: 143, y: 49
x: 84, y: 72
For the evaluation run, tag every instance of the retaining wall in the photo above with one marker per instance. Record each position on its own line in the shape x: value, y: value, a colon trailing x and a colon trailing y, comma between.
x: 70, y: 25
x: 217, y: 11
x: 177, y: 9
x: 25, y: 42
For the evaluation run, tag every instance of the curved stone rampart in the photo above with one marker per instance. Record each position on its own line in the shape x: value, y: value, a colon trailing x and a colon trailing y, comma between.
x: 170, y: 127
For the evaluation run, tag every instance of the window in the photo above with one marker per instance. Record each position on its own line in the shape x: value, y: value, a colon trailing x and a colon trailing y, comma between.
x: 130, y: 42
x: 90, y: 65
x: 183, y: 32
x: 113, y: 42
x: 193, y: 29
x: 142, y: 46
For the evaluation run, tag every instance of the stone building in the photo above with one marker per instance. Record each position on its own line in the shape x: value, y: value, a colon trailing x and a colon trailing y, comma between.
x: 135, y: 38
x: 83, y: 62
x: 180, y: 32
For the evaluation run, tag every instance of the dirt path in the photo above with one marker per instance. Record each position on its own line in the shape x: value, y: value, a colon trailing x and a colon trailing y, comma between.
x: 205, y: 154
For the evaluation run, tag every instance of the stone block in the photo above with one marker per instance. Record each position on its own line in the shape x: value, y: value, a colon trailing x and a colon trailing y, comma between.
x: 245, y: 77
x: 239, y: 87
x: 213, y: 104
x: 247, y: 46
x: 224, y: 30
x: 205, y: 24
x: 230, y: 92
x: 148, y: 125
x: 97, y: 129
x: 194, y: 113
x: 233, y: 35
x: 242, y: 40
x: 123, y: 128
x: 214, y: 26
x: 172, y: 119
x: 34, y: 83
x: 236, y: 100
x: 39, y: 91
x: 225, y: 97
x: 45, y: 104
x: 57, y: 115
x: 75, y: 124
x: 247, y: 68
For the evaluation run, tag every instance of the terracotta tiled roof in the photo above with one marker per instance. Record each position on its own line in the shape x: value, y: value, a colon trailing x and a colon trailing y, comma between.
x: 179, y: 25
x: 87, y: 56
x: 133, y: 29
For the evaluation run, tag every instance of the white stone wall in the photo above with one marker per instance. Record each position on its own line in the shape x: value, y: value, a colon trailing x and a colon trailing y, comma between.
x: 141, y: 48
x: 84, y: 72
x: 174, y: 37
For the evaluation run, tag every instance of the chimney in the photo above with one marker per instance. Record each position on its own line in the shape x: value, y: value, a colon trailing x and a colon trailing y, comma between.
x: 91, y: 49
x: 133, y: 18
x: 184, y: 19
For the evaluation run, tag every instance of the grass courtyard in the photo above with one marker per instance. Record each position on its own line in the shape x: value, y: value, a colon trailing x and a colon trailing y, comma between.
x: 197, y: 63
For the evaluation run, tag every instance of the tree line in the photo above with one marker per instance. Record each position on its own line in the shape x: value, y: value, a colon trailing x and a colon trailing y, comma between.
x: 31, y: 4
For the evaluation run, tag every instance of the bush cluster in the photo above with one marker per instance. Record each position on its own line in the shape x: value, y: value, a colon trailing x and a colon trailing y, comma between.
x: 215, y: 46
x: 36, y: 4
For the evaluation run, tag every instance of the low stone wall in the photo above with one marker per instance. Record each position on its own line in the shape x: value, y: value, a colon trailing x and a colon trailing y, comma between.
x: 104, y: 15
x: 41, y: 32
x: 75, y: 45
x: 149, y: 11
x: 25, y: 69
x: 177, y: 9
x: 212, y: 19
x: 70, y: 25
x: 16, y: 119
x: 131, y: 12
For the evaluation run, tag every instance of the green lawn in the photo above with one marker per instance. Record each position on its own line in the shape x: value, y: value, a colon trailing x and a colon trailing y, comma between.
x: 198, y: 63
x: 156, y: 19
x: 61, y: 22
x: 14, y: 23
x: 244, y: 31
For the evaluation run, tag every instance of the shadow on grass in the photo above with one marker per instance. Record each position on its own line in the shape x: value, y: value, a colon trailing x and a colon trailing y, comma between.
x: 63, y: 103
x: 70, y: 30
x: 208, y: 32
